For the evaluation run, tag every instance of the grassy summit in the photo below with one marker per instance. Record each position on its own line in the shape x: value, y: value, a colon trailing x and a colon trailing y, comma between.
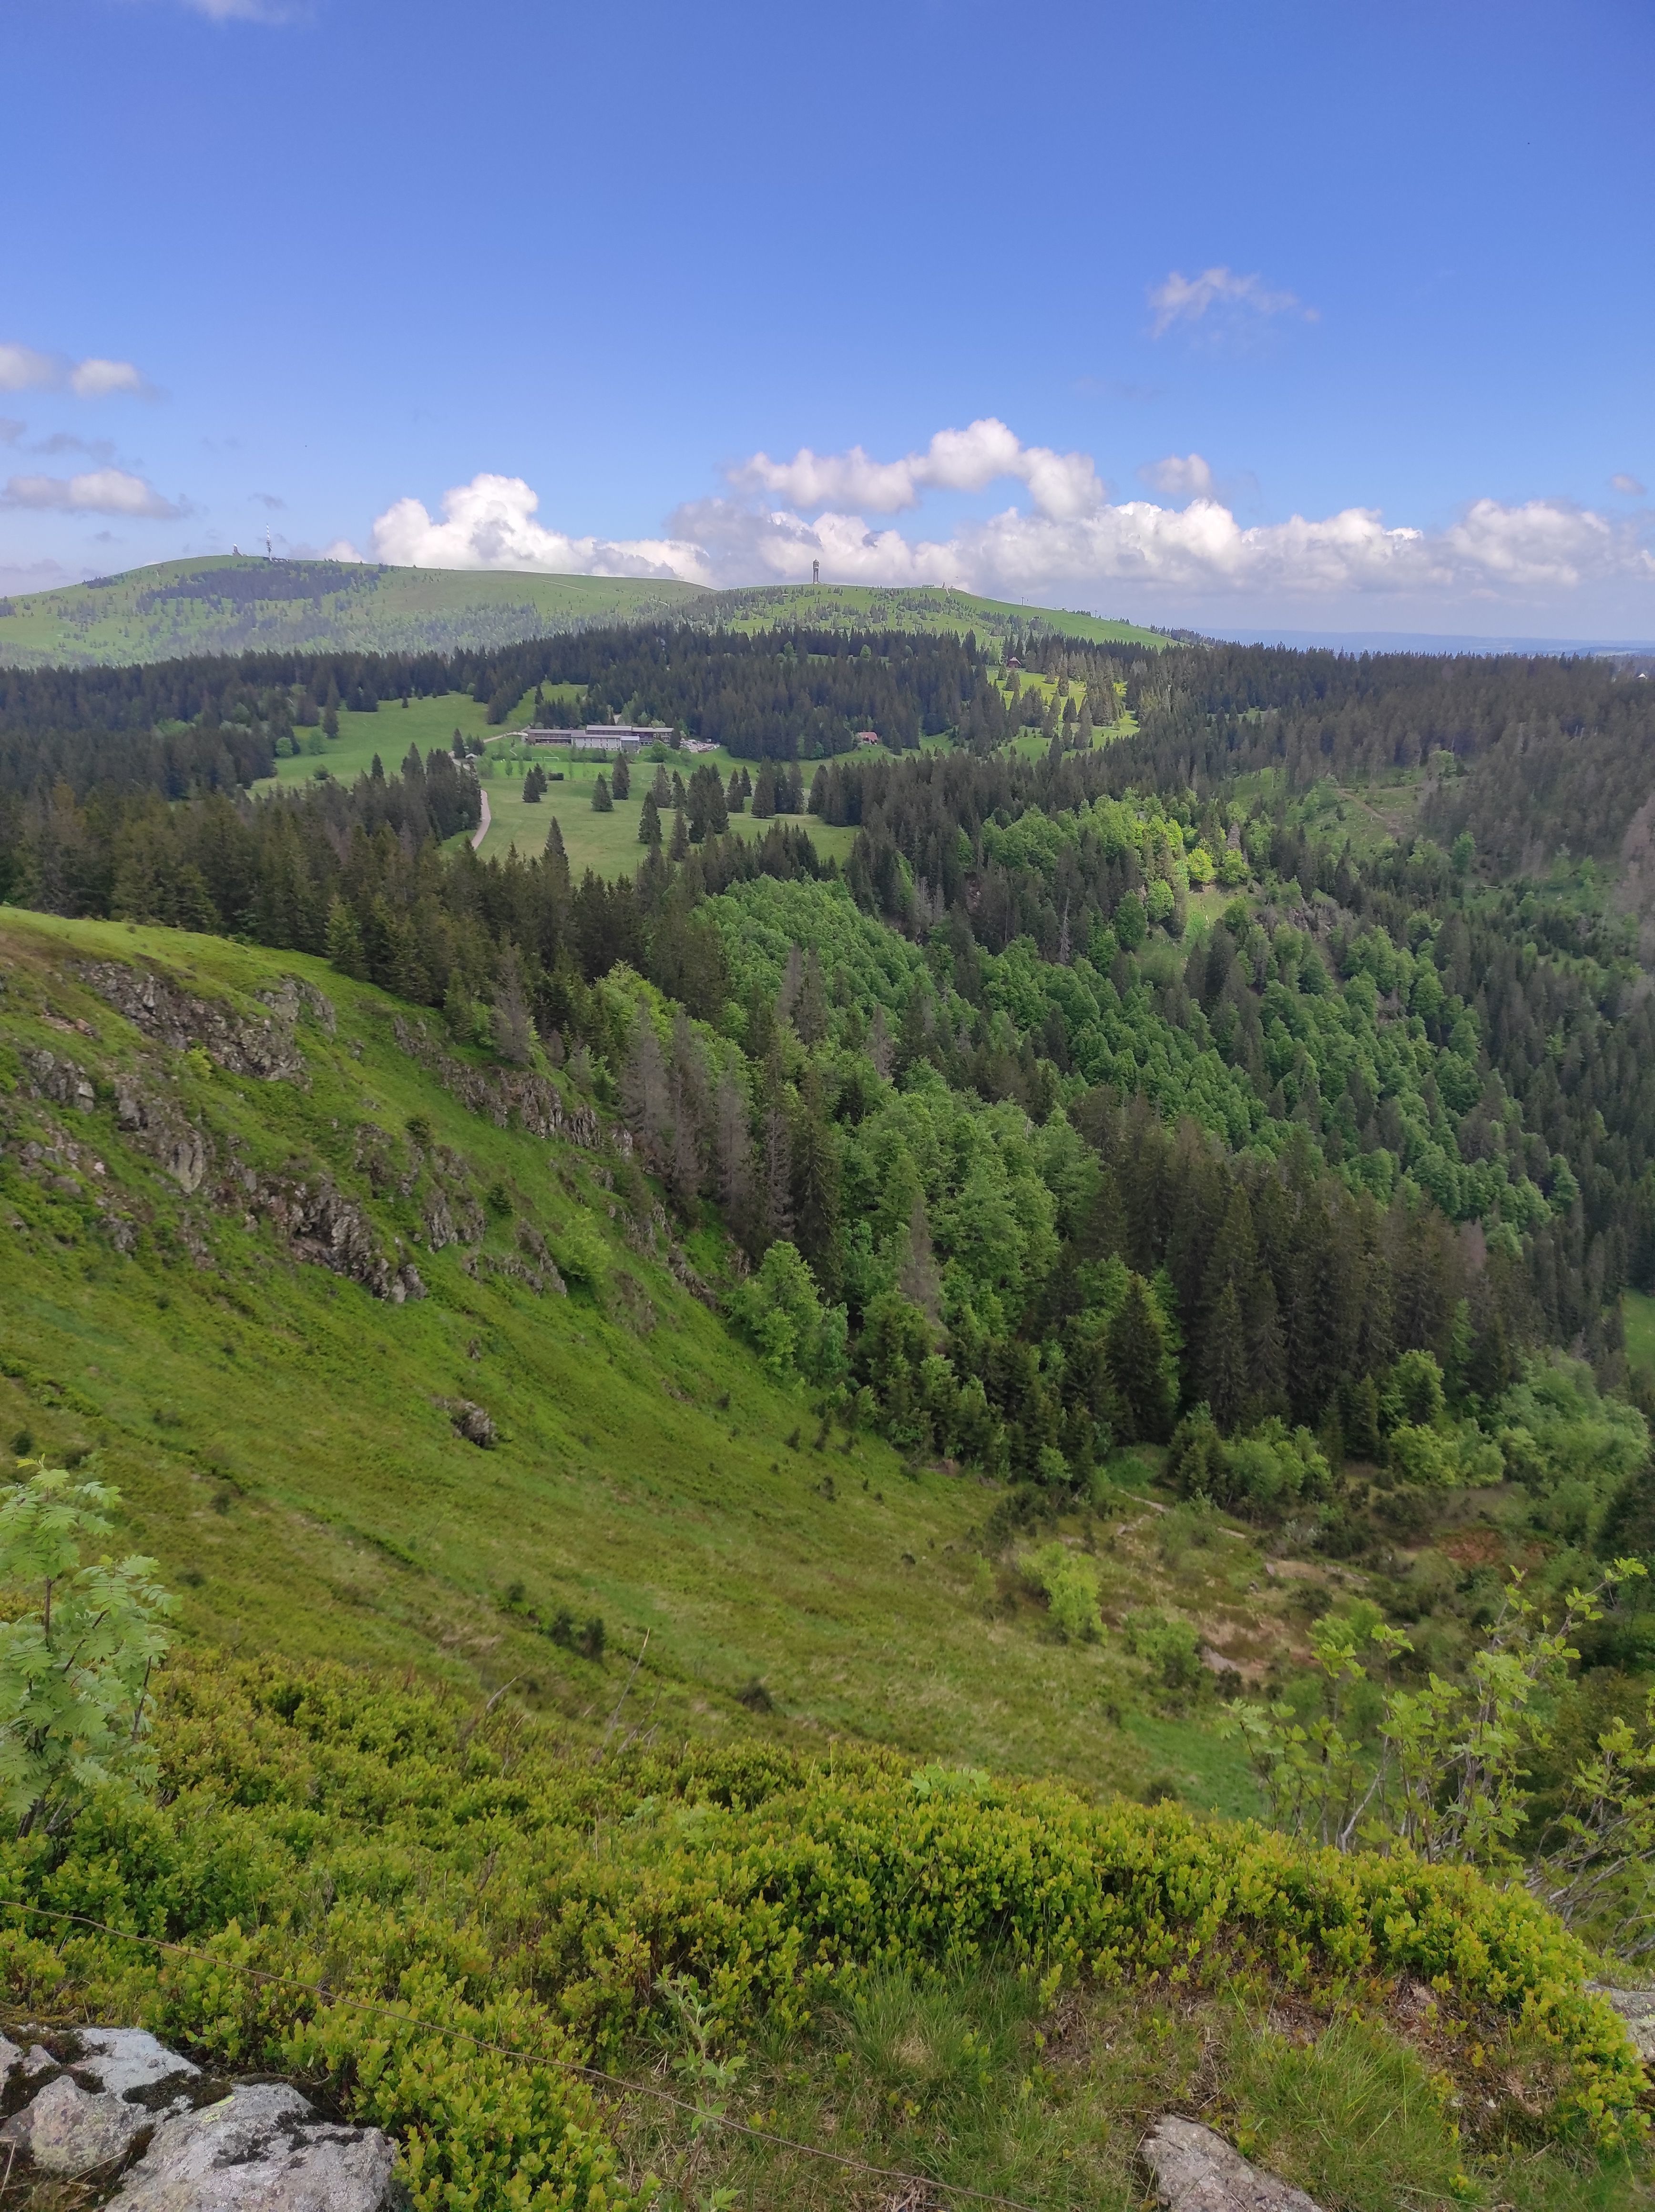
x: 239, y: 604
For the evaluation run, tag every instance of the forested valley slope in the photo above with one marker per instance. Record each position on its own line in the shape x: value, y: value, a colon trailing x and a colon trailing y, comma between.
x: 872, y: 1460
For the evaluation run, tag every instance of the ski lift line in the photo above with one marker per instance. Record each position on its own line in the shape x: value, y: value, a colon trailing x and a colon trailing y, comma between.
x: 595, y: 2074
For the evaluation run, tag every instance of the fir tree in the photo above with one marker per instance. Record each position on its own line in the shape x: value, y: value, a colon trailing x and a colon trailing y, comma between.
x: 649, y: 823
x: 601, y: 802
x: 622, y: 783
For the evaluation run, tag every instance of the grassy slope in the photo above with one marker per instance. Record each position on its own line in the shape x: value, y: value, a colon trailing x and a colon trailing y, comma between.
x: 276, y: 1432
x: 142, y: 614
x: 137, y: 617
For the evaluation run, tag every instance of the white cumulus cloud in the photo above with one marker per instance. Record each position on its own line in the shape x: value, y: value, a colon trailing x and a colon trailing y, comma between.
x: 25, y: 368
x: 1181, y: 298
x: 95, y: 491
x: 1068, y: 539
x: 955, y: 460
x: 1180, y: 476
x: 1628, y: 485
x: 489, y: 524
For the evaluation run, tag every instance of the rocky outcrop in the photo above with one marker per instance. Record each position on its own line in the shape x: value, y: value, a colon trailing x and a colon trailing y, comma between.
x: 137, y: 2126
x: 98, y: 2090
x: 266, y: 1049
x: 321, y: 1225
x: 509, y: 1098
x: 157, y: 1126
x: 263, y: 2148
x: 538, y: 1270
x: 1197, y: 2171
x: 61, y: 1081
x: 471, y: 1421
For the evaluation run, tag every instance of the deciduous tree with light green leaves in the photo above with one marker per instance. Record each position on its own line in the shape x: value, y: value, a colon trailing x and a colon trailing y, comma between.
x: 1447, y: 1777
x: 78, y: 1645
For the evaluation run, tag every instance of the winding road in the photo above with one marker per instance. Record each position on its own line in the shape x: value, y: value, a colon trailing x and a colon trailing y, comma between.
x: 481, y: 829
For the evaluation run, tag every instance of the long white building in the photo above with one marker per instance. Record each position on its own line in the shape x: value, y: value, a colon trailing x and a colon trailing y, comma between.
x: 602, y: 736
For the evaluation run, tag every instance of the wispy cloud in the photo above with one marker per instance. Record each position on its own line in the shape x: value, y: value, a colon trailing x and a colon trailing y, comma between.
x: 247, y: 11
x: 10, y: 430
x: 96, y: 491
x: 1628, y: 486
x: 1180, y: 476
x: 25, y: 368
x: 270, y: 500
x: 61, y: 442
x: 1181, y: 298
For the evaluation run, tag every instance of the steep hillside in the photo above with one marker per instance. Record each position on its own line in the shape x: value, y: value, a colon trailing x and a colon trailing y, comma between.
x: 241, y: 603
x: 263, y: 1237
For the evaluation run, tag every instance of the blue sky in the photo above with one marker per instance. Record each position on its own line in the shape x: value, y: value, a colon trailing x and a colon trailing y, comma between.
x: 1321, y: 316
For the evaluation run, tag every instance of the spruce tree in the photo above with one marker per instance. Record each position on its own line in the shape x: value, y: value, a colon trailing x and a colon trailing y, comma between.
x: 557, y: 859
x: 622, y: 783
x: 344, y: 941
x: 679, y: 848
x: 1225, y: 1368
x: 649, y: 823
x: 1137, y: 1366
x: 601, y: 802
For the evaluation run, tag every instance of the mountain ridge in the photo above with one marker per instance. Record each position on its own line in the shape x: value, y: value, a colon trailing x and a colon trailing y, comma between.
x: 213, y: 604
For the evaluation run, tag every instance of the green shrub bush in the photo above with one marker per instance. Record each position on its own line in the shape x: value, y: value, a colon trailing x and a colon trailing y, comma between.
x: 369, y: 1847
x: 1070, y: 1581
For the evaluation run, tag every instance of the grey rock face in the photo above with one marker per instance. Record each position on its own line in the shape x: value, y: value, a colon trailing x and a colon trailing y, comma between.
x: 91, y: 2112
x: 110, y: 2095
x: 1637, y: 2008
x: 266, y: 1049
x: 62, y: 1081
x: 1197, y: 2171
x: 261, y: 2147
